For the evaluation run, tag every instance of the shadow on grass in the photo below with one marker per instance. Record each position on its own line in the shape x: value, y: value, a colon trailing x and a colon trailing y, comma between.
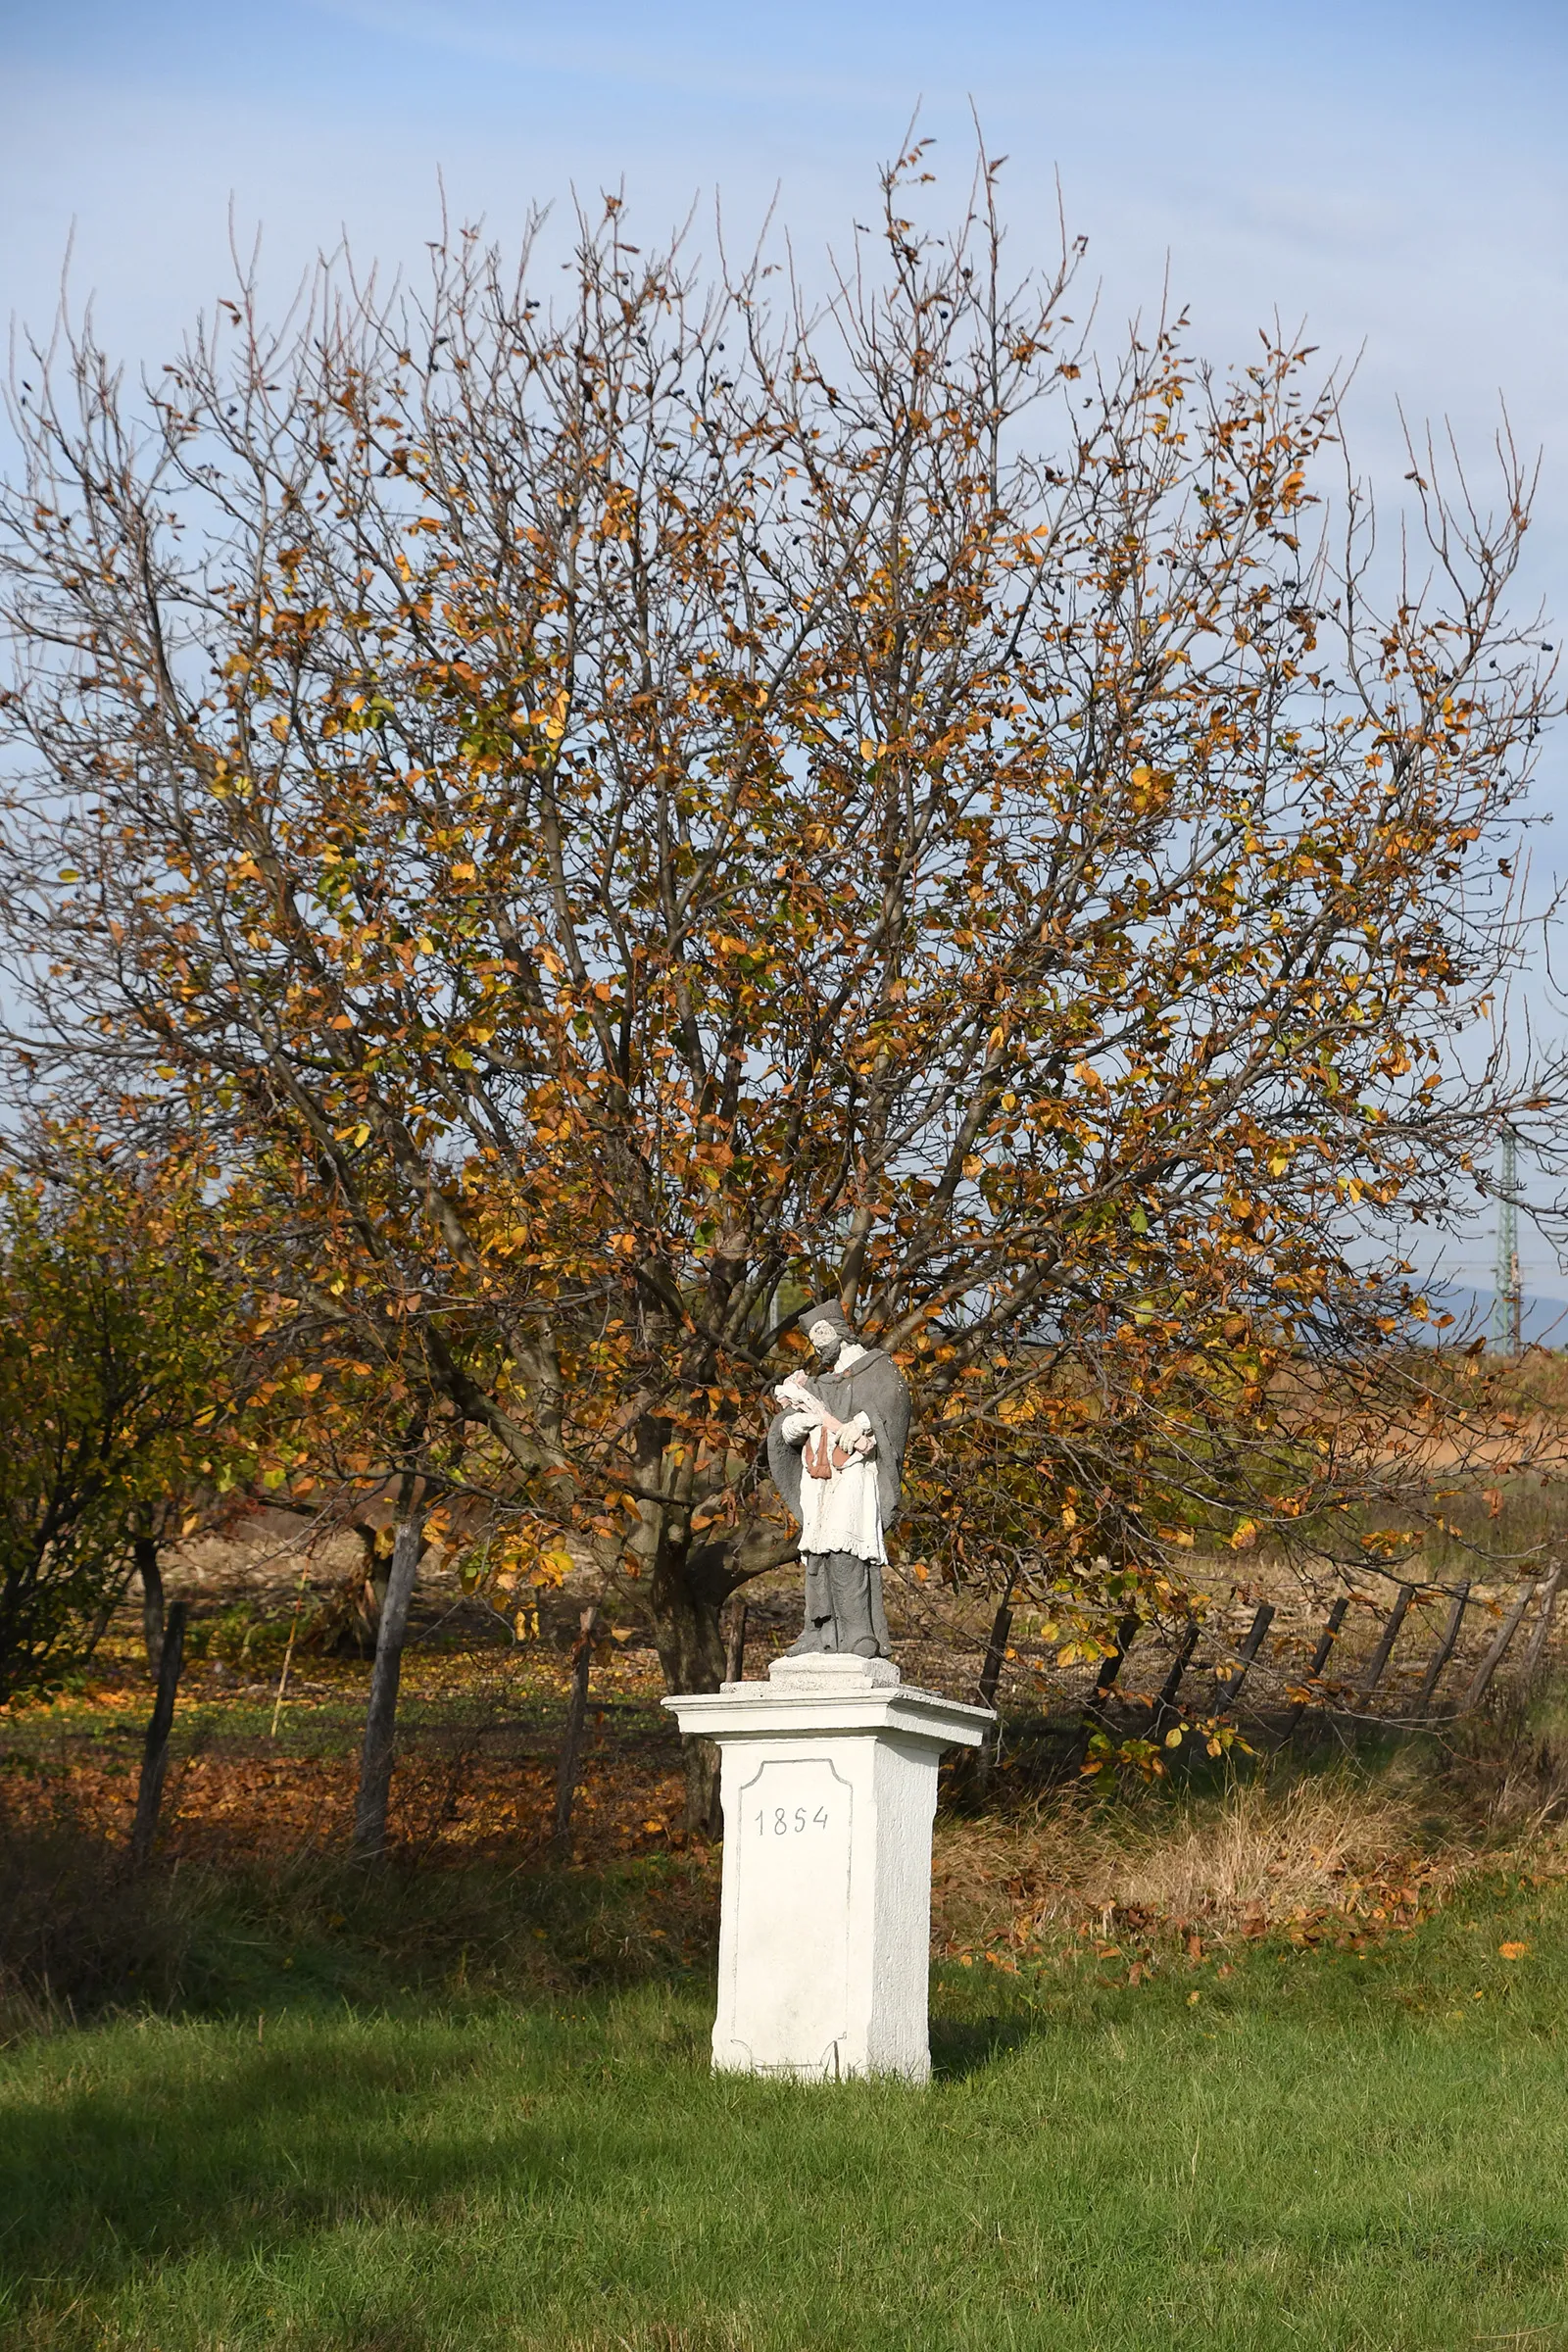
x: 82, y: 1934
x: 244, y: 2154
x: 965, y: 2046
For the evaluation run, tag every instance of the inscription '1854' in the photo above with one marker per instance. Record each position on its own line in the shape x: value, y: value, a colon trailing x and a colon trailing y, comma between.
x: 779, y: 1821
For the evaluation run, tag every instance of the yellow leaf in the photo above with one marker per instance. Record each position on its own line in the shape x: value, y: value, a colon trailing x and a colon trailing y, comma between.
x: 1512, y: 1952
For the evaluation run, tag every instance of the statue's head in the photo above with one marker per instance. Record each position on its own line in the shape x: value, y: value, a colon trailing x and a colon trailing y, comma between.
x: 828, y: 1327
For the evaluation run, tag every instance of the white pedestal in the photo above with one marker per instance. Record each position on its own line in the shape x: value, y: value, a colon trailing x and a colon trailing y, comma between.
x: 829, y: 1786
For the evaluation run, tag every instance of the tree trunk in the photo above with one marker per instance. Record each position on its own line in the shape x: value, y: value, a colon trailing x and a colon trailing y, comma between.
x: 735, y: 1653
x: 144, y: 1551
x: 690, y: 1635
x: 380, y: 1720
x: 368, y: 1596
x: 100, y: 1619
x: 155, y: 1754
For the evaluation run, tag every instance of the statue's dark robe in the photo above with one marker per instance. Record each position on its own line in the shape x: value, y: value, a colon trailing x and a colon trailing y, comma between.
x: 874, y: 1387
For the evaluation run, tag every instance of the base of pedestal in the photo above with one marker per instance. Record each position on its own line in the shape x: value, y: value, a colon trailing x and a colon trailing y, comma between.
x: 828, y: 1783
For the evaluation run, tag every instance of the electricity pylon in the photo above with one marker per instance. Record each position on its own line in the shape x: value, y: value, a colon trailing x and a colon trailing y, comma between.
x: 1508, y: 1302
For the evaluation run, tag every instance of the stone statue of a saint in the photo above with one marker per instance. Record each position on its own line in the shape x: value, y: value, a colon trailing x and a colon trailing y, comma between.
x: 836, y: 1451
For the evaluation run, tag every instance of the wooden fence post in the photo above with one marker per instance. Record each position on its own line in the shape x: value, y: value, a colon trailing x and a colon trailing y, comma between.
x: 1542, y: 1627
x: 1445, y: 1650
x: 997, y: 1645
x: 1249, y: 1650
x: 1109, y: 1668
x: 1320, y: 1658
x: 975, y: 1768
x: 1390, y: 1633
x: 571, y: 1741
x: 1166, y: 1703
x: 1494, y: 1657
x: 155, y: 1753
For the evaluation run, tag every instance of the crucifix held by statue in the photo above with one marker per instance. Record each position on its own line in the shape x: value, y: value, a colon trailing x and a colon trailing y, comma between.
x: 836, y: 1451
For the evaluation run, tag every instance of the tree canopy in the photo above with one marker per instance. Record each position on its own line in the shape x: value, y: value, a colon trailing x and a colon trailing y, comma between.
x: 633, y: 809
x: 120, y: 1363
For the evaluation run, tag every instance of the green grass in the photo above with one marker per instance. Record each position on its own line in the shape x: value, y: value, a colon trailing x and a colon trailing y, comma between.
x: 1326, y: 2149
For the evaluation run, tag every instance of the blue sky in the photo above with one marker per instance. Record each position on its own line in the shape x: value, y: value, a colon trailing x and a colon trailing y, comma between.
x: 1394, y: 174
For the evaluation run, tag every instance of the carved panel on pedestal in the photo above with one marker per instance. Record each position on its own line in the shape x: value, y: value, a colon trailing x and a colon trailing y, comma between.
x: 789, y: 1958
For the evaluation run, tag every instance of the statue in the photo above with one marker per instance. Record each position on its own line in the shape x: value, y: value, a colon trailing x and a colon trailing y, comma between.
x: 835, y: 1452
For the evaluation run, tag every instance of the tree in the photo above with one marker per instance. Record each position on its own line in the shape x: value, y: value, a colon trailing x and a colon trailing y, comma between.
x: 116, y: 1357
x: 642, y: 810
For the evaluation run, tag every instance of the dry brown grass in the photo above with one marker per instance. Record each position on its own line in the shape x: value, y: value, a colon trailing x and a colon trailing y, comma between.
x: 1295, y: 1853
x: 1308, y: 1845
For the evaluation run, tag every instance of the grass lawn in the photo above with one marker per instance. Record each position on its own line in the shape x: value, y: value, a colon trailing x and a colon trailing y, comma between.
x: 1324, y: 2148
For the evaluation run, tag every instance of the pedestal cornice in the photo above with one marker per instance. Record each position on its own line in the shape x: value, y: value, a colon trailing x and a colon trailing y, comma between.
x: 836, y: 1696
